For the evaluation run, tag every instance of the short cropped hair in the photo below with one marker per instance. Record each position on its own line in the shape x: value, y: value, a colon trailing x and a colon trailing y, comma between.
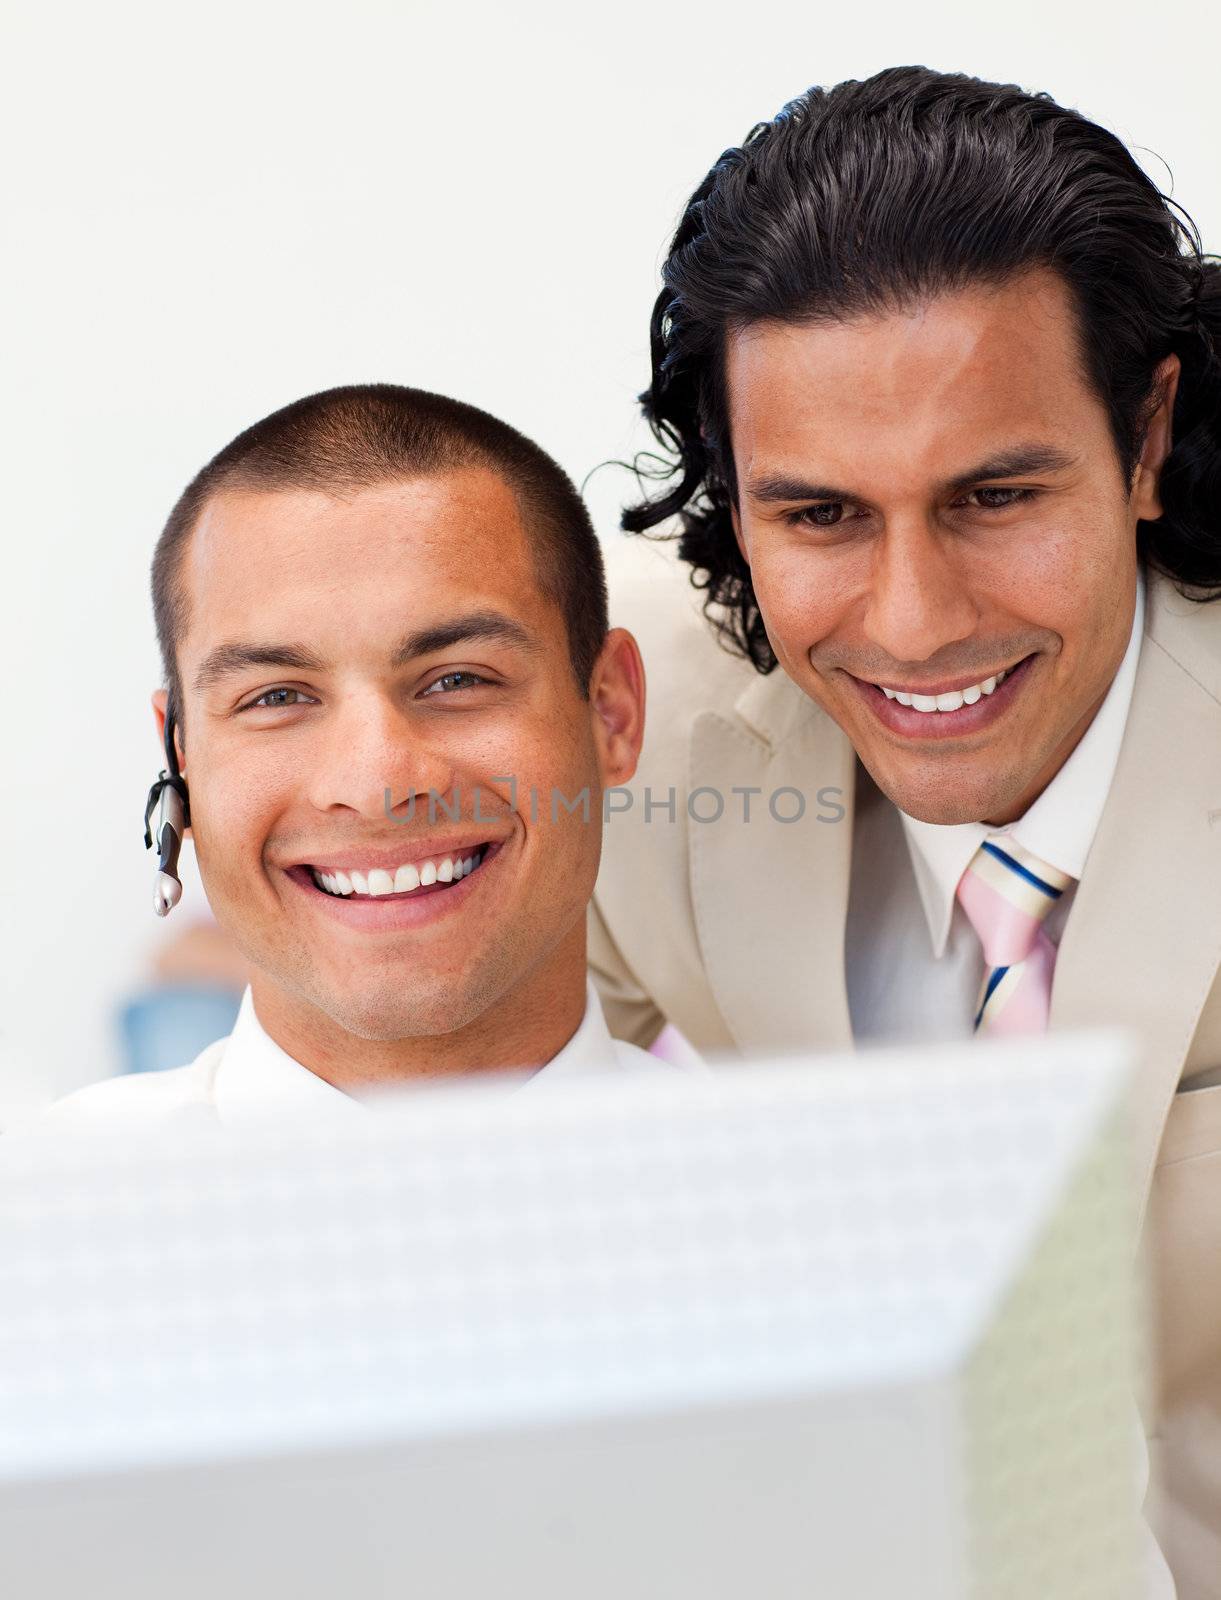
x: 362, y: 435
x: 866, y: 197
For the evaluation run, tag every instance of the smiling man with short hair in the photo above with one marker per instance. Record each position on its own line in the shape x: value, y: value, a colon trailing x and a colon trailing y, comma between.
x: 396, y: 705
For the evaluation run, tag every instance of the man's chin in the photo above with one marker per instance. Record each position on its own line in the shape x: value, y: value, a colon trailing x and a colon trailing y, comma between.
x: 423, y: 1012
x: 947, y: 815
x: 947, y: 797
x: 376, y: 1007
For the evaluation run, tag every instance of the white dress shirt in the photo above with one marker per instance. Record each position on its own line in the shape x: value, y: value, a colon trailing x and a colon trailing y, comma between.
x: 247, y: 1074
x: 913, y: 962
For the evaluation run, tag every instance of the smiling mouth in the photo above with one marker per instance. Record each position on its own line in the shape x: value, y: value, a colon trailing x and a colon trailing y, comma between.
x: 412, y: 880
x: 952, y: 699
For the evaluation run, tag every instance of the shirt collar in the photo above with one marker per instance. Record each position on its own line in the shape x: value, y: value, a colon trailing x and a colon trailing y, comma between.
x: 1059, y: 827
x: 255, y: 1076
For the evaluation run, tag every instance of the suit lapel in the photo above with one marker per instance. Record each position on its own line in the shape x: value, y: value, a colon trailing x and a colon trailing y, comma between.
x: 1143, y: 939
x: 770, y: 897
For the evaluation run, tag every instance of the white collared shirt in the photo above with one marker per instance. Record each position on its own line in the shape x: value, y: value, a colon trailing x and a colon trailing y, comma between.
x: 913, y: 962
x: 255, y: 1075
x: 248, y: 1075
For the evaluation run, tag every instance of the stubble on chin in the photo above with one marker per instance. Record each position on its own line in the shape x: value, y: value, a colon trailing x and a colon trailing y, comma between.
x: 399, y: 1003
x: 949, y: 799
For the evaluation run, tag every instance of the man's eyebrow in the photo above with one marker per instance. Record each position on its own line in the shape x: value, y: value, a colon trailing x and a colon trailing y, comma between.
x: 776, y: 487
x: 484, y: 626
x: 228, y: 659
x: 479, y: 627
x: 1020, y: 462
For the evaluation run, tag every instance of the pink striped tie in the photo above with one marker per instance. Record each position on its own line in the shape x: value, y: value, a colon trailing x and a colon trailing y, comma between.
x: 1007, y: 892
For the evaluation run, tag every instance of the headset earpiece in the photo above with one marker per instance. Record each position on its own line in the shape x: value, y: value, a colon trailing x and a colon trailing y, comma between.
x: 169, y: 797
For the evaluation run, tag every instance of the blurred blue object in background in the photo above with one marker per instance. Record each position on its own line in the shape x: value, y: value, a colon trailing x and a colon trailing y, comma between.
x: 167, y: 1026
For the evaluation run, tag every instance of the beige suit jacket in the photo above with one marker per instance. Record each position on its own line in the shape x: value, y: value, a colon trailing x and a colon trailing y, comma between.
x: 734, y: 932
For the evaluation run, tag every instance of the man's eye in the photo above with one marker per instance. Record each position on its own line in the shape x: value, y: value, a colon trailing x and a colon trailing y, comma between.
x: 449, y: 681
x: 273, y: 699
x: 999, y: 499
x: 824, y: 515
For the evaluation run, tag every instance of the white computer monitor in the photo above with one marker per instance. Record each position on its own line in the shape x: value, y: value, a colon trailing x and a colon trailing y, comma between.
x: 854, y: 1328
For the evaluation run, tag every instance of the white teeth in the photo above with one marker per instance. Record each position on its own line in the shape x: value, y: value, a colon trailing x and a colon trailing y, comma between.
x: 953, y: 700
x: 412, y: 875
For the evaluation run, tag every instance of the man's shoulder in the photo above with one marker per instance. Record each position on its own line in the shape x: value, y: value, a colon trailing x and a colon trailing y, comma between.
x: 688, y: 667
x: 1189, y: 631
x: 135, y: 1100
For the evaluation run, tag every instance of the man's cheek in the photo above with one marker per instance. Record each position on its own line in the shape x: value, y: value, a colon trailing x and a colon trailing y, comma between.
x: 228, y: 845
x: 792, y: 599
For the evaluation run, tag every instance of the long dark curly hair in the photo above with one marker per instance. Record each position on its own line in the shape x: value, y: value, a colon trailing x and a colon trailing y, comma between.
x: 860, y: 198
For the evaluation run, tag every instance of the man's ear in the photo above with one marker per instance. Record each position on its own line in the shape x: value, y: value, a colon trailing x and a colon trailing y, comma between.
x: 160, y: 699
x: 616, y: 696
x: 1146, y: 493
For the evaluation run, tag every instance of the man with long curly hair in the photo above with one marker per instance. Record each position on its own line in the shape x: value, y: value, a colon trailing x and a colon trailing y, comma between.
x: 937, y: 378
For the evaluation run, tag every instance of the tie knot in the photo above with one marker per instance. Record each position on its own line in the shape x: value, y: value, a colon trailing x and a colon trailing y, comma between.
x: 1006, y: 892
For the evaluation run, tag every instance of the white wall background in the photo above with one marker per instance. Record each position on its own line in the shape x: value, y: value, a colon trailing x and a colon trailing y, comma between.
x: 211, y: 210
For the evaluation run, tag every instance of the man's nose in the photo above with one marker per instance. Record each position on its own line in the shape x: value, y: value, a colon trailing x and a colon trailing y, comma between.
x: 376, y: 757
x: 918, y: 601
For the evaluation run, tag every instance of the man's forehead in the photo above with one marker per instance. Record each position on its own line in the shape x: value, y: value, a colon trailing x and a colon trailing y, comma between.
x: 375, y: 561
x: 1005, y: 341
x: 969, y: 377
x: 239, y: 521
